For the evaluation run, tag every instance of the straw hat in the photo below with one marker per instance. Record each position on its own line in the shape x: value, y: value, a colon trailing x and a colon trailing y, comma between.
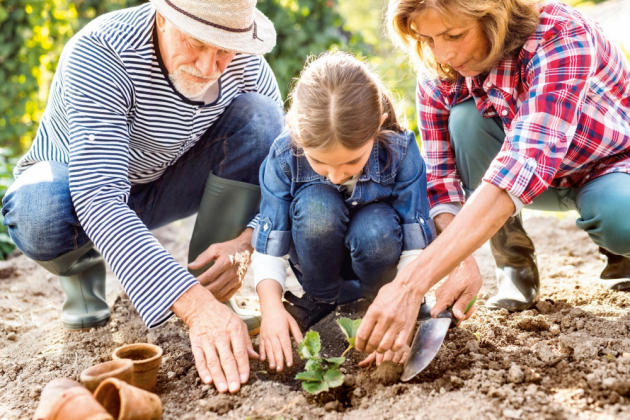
x: 233, y: 25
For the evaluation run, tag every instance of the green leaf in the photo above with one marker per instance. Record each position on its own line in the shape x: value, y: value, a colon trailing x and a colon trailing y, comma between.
x: 335, y: 362
x: 349, y: 328
x: 315, y: 387
x: 313, y: 364
x: 310, y: 375
x: 309, y: 347
x: 333, y: 378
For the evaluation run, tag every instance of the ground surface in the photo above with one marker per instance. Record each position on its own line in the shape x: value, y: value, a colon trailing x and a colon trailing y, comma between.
x: 563, y: 360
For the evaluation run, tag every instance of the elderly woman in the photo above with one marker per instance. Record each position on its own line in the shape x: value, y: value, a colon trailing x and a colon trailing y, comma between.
x: 526, y: 104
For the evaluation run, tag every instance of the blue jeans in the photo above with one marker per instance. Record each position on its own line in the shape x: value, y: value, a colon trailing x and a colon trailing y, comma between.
x: 38, y: 208
x: 602, y: 202
x: 333, y: 243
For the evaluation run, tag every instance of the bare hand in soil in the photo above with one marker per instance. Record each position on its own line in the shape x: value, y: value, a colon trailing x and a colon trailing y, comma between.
x: 222, y: 278
x: 219, y: 339
x: 398, y: 357
x: 459, y: 289
x: 274, y: 337
x: 389, y: 320
x: 276, y: 325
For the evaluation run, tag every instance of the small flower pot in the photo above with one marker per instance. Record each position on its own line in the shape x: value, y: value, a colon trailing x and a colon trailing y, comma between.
x: 146, y: 361
x: 127, y: 402
x: 121, y: 369
x: 65, y: 399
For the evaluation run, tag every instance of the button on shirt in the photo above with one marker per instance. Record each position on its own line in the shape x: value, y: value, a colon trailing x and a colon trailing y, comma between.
x: 564, y: 101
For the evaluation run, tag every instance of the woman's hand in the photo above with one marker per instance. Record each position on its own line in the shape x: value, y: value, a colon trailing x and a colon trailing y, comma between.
x: 390, y: 319
x: 459, y: 289
x: 276, y: 327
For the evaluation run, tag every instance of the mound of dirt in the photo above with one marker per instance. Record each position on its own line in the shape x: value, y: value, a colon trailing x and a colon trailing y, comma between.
x: 569, y: 357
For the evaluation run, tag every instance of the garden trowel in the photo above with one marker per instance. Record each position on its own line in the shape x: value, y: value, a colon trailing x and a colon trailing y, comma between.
x: 427, y: 342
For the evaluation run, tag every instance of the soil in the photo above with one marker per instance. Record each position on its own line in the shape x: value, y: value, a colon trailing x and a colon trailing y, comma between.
x: 567, y: 358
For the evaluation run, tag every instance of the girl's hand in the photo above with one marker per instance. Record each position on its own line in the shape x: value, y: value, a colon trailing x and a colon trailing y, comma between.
x: 275, y: 339
x: 399, y: 357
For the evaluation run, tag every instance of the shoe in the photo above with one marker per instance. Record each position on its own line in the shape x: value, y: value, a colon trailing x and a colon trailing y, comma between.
x: 306, y: 310
x: 82, y: 276
x: 226, y: 208
x: 250, y: 317
x: 517, y: 269
x: 616, y: 274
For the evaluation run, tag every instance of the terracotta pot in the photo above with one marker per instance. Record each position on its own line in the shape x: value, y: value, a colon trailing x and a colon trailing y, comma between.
x: 120, y: 368
x: 146, y: 361
x: 65, y: 399
x: 127, y: 402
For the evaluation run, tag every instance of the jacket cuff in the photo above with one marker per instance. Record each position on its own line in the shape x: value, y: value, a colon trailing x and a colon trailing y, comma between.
x: 268, y: 241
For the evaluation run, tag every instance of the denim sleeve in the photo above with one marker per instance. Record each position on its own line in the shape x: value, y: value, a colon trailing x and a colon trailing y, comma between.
x: 272, y: 235
x: 410, y: 198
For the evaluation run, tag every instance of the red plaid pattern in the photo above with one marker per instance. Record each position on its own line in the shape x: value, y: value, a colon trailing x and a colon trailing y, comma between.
x: 565, y: 106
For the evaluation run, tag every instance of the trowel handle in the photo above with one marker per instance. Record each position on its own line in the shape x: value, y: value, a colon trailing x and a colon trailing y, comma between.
x: 448, y: 313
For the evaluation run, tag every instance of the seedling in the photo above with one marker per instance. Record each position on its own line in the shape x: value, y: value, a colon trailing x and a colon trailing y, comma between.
x: 349, y: 328
x: 321, y: 374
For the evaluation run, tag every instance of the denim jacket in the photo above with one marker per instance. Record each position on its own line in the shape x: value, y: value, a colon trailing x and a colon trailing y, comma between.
x: 397, y: 177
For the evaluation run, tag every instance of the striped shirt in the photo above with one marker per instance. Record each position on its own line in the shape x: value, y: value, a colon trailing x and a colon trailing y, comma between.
x: 564, y: 101
x: 114, y: 117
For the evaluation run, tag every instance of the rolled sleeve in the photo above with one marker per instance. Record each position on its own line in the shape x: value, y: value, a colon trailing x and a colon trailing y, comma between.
x: 542, y: 130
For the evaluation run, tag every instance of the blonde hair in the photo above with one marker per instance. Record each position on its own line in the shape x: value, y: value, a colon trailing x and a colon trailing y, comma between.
x: 338, y: 100
x: 506, y: 24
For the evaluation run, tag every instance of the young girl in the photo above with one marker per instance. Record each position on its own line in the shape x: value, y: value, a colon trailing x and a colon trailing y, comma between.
x: 343, y: 196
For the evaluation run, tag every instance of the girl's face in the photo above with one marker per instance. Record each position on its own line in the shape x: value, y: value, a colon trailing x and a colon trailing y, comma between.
x: 459, y: 43
x: 339, y: 164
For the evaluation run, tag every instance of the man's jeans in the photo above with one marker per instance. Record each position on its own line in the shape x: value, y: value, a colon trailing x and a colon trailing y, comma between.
x: 332, y: 243
x: 43, y: 223
x: 603, y: 203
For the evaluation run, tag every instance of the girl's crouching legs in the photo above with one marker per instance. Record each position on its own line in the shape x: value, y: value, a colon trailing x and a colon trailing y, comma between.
x: 375, y: 242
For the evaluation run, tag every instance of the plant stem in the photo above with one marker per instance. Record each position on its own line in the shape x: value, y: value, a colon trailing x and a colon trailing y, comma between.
x: 346, y: 351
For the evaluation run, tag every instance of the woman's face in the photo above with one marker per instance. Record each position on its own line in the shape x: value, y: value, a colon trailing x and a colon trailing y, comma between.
x: 458, y: 43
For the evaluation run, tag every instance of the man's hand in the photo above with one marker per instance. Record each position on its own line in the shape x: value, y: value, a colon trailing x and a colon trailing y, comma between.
x: 459, y: 289
x: 219, y: 339
x: 390, y: 319
x: 222, y: 279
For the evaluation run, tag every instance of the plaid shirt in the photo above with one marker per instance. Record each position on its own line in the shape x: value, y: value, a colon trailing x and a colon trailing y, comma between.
x: 565, y: 106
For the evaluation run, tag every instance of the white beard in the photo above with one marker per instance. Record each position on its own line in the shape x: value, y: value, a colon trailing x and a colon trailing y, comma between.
x: 189, y: 88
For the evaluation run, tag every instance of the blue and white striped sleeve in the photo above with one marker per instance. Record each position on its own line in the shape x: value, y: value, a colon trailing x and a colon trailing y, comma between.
x: 267, y: 84
x: 98, y: 96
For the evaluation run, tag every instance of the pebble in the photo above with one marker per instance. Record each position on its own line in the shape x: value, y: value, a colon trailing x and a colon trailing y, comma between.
x: 496, y: 376
x: 554, y: 329
x: 516, y: 374
x: 11, y: 336
x: 473, y: 345
x: 512, y: 414
x: 543, y: 352
x: 170, y: 375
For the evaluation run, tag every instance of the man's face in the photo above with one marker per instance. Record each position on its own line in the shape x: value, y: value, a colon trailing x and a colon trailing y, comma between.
x: 192, y: 65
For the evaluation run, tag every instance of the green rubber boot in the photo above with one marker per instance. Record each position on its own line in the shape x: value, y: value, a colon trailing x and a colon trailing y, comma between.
x: 82, y: 276
x: 226, y: 208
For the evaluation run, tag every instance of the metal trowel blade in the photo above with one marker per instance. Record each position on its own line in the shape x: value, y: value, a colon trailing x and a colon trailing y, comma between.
x: 425, y: 346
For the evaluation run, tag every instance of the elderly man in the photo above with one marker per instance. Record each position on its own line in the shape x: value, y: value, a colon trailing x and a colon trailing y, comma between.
x: 146, y: 105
